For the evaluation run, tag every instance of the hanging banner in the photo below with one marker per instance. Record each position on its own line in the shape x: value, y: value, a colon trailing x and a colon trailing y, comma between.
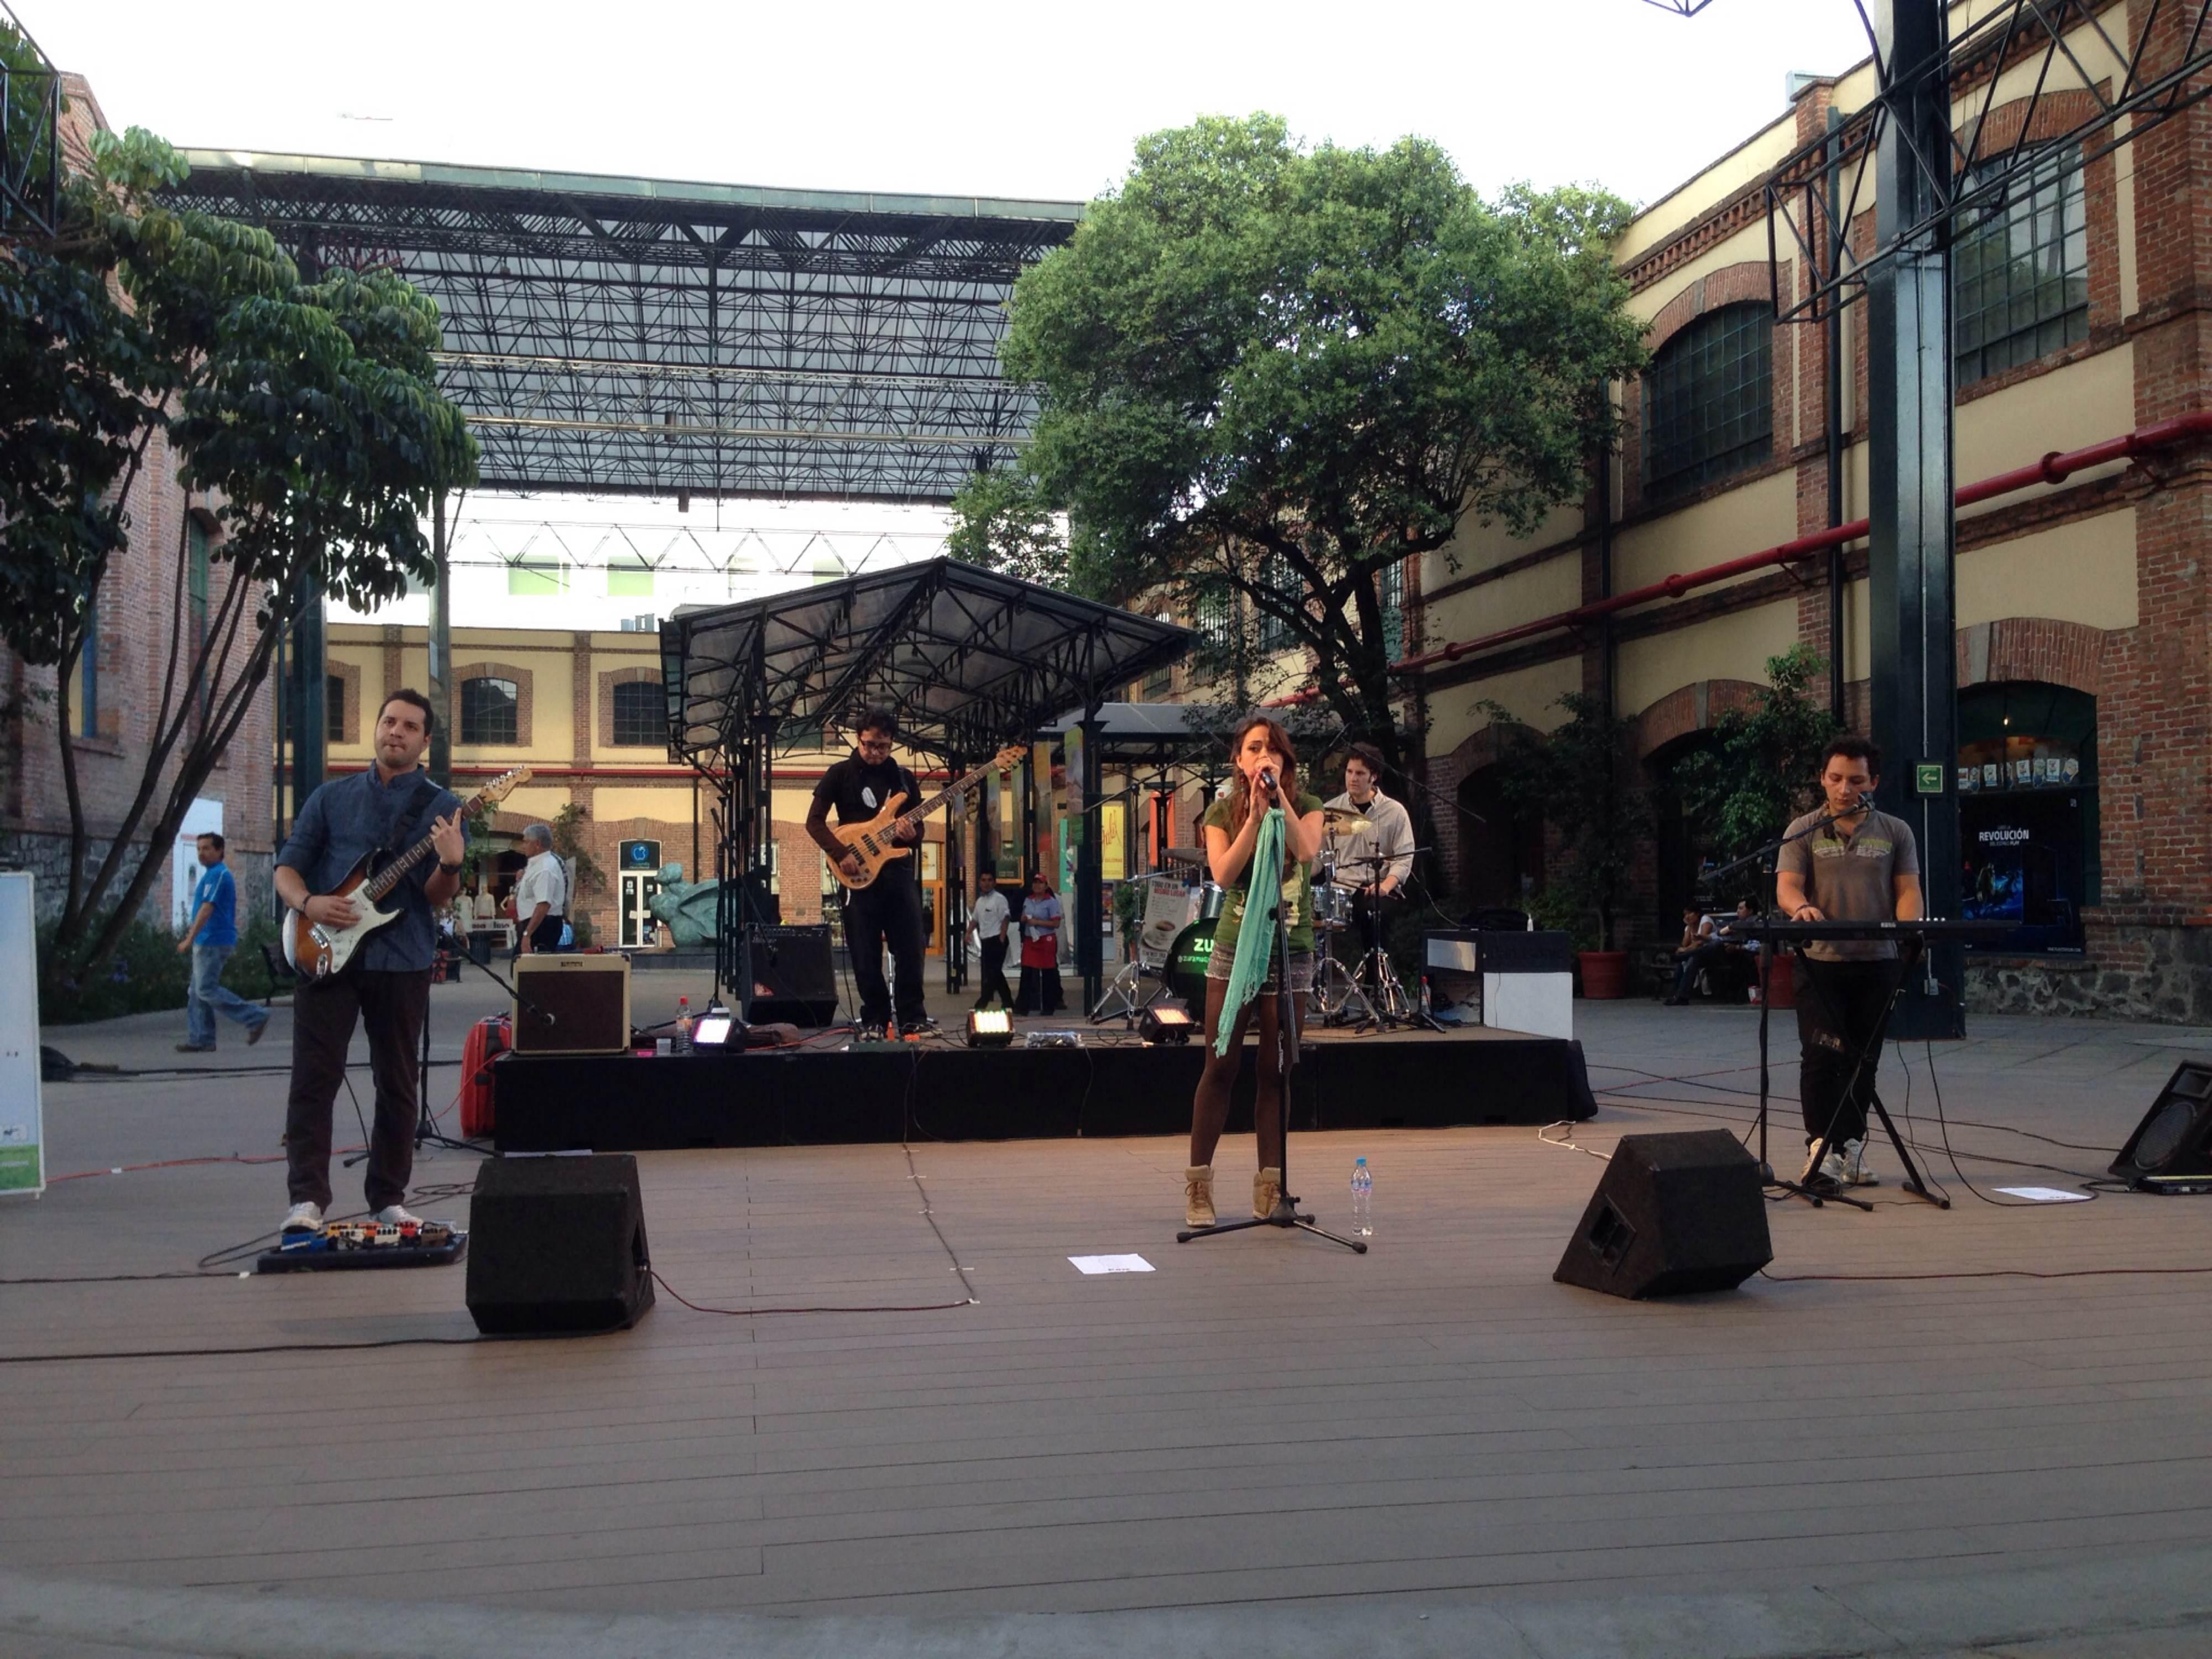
x: 22, y: 1148
x: 1113, y: 840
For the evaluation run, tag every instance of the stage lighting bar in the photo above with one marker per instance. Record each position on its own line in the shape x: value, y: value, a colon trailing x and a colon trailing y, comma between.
x: 990, y: 1028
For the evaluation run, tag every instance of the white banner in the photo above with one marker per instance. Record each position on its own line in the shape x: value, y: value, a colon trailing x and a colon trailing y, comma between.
x: 1169, y: 907
x: 23, y: 1152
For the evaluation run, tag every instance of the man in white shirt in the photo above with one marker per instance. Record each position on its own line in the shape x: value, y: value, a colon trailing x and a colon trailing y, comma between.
x: 541, y: 895
x: 991, y: 915
x: 1374, y: 865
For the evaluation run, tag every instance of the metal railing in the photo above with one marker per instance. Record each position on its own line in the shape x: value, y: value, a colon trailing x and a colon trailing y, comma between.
x: 30, y: 131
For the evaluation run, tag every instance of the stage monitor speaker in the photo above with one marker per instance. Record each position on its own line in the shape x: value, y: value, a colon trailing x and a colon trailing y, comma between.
x: 2173, y: 1143
x: 571, y: 1005
x: 788, y: 976
x: 1675, y: 1214
x: 556, y: 1245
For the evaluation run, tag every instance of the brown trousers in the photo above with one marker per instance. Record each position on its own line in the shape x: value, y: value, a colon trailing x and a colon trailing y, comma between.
x: 393, y: 1006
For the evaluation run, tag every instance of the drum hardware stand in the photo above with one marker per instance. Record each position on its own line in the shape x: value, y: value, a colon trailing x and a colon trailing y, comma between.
x: 1387, y: 1003
x: 1124, y: 989
x: 1286, y: 1213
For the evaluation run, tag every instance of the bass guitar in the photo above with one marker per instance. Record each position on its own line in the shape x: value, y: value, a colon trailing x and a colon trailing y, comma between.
x: 872, y: 843
x: 316, y: 950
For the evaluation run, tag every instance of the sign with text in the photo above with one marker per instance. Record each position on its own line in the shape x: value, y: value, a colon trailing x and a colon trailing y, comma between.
x: 22, y: 1151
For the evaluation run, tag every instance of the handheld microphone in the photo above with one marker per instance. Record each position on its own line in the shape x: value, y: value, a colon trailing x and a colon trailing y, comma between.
x: 1267, y: 777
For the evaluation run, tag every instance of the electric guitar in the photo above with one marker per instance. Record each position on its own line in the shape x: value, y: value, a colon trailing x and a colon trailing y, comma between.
x: 316, y: 951
x: 872, y: 843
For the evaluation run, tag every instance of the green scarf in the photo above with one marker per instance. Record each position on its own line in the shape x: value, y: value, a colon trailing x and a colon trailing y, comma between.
x: 1261, y: 900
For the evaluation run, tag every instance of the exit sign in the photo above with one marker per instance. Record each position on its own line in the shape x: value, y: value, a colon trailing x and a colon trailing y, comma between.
x: 1927, y: 778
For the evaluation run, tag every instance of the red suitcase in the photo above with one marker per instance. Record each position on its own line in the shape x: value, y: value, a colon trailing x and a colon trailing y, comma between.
x: 488, y: 1040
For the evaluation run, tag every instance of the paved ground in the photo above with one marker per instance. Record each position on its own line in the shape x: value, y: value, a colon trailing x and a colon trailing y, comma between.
x: 1264, y: 1443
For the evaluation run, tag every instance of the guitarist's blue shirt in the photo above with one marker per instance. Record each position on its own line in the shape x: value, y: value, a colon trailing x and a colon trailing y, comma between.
x: 350, y: 818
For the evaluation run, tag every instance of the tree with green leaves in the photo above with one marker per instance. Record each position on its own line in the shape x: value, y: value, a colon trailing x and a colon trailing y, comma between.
x: 302, y: 415
x: 1274, y: 371
x: 1576, y: 778
x: 1758, y: 773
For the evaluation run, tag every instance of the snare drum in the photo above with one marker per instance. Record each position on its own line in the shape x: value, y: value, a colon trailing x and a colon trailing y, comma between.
x: 1332, y: 906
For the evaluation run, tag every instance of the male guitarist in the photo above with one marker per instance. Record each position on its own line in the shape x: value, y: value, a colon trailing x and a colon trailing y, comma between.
x: 889, y: 908
x: 387, y: 984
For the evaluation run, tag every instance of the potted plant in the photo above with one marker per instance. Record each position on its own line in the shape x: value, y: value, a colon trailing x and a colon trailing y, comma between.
x: 1576, y: 778
x: 1761, y: 773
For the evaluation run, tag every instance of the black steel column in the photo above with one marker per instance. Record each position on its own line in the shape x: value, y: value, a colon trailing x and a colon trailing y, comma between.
x: 1084, y: 828
x: 1915, y: 693
x: 312, y: 705
x: 440, y: 689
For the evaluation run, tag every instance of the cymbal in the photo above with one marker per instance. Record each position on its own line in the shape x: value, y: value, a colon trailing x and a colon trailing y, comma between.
x: 1345, y: 821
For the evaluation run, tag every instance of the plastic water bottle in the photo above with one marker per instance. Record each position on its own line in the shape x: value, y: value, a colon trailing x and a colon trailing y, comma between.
x: 1363, y: 1199
x: 682, y: 1025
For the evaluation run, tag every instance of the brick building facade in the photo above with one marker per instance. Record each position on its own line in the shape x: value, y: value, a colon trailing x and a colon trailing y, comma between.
x: 117, y: 691
x: 2081, y: 314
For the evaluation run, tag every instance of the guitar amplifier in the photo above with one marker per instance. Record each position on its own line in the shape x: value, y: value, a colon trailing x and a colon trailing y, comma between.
x: 786, y: 976
x: 571, y: 1005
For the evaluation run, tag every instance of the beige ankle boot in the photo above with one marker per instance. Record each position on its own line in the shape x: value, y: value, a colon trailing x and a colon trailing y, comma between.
x: 1198, y: 1195
x: 1267, y: 1189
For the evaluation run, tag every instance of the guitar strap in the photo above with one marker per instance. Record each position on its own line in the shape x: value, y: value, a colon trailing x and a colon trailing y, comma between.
x: 414, y: 815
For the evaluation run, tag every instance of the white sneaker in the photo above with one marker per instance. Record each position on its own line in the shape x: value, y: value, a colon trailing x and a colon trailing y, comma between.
x: 393, y: 1216
x: 303, y: 1217
x: 1823, y: 1174
x: 1856, y: 1173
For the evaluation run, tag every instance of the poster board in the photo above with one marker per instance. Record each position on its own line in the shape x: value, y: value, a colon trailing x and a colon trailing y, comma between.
x: 23, y: 1141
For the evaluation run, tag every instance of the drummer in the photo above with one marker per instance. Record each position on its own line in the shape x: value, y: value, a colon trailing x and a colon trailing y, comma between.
x: 1373, y: 861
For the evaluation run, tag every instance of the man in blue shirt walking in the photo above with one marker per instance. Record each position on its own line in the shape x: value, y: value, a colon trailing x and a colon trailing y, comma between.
x: 209, y: 941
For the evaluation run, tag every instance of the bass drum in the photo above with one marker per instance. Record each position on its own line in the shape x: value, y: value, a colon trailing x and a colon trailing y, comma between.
x: 1187, y: 959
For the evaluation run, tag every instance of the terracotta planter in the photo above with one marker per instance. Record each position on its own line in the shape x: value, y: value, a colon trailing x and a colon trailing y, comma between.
x: 1605, y: 974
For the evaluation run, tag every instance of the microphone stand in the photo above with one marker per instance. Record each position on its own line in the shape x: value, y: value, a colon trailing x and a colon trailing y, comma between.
x: 1286, y: 1213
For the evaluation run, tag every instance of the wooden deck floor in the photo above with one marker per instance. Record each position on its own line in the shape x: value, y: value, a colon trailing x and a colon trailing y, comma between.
x: 1261, y: 1419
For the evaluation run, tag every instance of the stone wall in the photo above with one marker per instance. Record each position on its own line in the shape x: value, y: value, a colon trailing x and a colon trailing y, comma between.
x: 2143, y: 966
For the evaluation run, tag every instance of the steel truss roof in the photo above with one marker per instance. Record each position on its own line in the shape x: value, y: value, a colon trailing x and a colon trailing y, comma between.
x: 611, y: 335
x: 971, y: 661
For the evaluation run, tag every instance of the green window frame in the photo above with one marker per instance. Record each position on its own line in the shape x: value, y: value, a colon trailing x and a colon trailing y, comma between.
x: 2020, y: 273
x: 1709, y: 400
x: 490, y: 710
x: 641, y: 716
x: 628, y: 581
x: 538, y: 579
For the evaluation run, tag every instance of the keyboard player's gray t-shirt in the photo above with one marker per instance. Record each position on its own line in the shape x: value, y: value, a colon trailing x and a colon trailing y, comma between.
x: 1852, y: 879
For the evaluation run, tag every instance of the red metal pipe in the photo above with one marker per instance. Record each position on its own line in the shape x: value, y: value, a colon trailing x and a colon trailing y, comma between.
x: 2054, y: 468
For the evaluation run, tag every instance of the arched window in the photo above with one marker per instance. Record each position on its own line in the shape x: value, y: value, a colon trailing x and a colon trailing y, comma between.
x: 489, y: 710
x: 1709, y: 400
x: 2020, y: 271
x: 641, y: 718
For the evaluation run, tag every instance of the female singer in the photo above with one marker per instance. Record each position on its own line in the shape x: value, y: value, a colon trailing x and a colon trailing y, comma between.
x: 1267, y: 776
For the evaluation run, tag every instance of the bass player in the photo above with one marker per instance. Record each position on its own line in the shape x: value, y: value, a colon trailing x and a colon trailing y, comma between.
x: 386, y: 987
x: 888, y: 910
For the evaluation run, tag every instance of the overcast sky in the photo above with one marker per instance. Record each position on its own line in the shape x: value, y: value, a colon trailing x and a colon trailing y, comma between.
x: 1042, y: 102
x: 1037, y: 102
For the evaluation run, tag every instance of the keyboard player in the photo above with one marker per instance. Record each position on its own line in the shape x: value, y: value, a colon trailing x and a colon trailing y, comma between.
x: 1864, y: 866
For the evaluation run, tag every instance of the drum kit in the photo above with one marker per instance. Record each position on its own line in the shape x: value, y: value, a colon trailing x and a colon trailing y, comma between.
x: 1182, y: 906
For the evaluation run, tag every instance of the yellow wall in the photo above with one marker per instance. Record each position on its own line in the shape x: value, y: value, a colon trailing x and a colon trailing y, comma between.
x: 1530, y: 695
x: 1761, y: 514
x: 2083, y: 572
x: 2071, y: 408
x: 1543, y: 590
x: 1731, y: 647
x: 665, y: 804
x: 1478, y: 547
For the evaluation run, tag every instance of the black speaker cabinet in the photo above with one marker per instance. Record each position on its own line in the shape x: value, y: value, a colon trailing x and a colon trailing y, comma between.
x: 2173, y: 1143
x: 571, y: 1005
x: 1673, y: 1214
x: 556, y: 1246
x: 788, y: 976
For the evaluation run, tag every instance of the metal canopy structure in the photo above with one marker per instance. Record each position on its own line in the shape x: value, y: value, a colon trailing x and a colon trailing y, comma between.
x: 635, y: 336
x: 970, y: 661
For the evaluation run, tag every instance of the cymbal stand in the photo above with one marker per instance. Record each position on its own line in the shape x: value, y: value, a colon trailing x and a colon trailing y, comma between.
x: 1127, y: 989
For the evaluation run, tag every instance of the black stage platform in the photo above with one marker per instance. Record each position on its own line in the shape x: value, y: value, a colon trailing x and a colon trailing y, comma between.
x: 941, y: 1091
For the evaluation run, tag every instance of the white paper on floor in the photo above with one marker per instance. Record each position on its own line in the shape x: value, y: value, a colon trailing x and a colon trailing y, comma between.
x: 2046, y: 1195
x: 1110, y: 1264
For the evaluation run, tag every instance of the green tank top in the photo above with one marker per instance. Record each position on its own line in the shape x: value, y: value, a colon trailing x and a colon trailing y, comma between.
x: 1298, y: 888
